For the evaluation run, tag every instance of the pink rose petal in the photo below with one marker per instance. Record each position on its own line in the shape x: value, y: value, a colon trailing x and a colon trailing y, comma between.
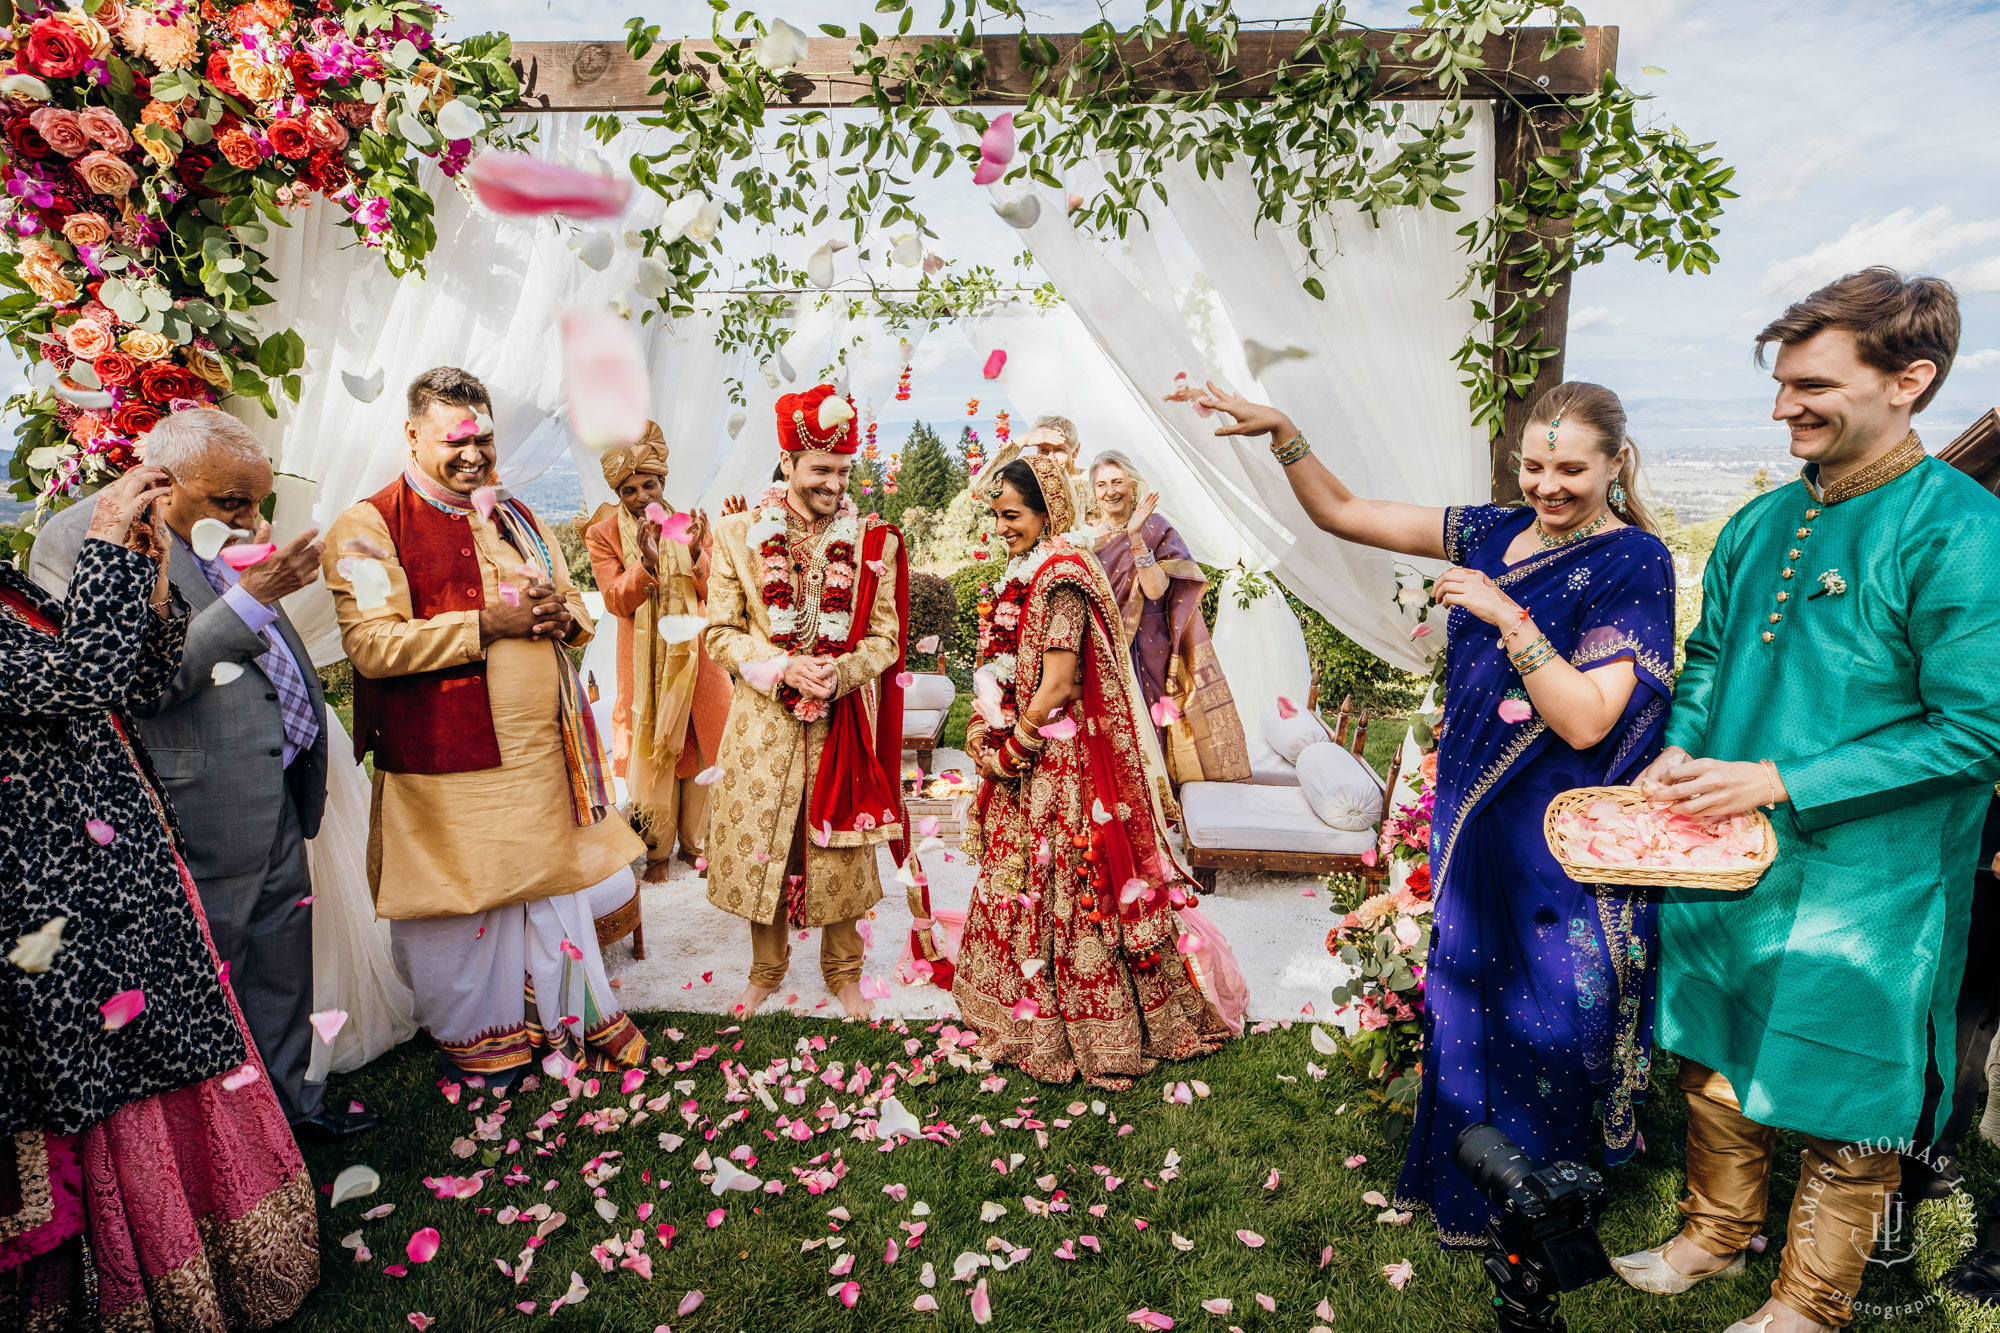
x: 328, y: 1023
x: 1398, y: 1274
x: 764, y: 673
x: 982, y: 1305
x: 997, y: 361
x: 100, y: 832
x: 241, y: 1077
x: 519, y: 185
x: 244, y: 555
x: 904, y: 680
x: 122, y: 1008
x: 485, y: 498
x: 1145, y: 1318
x: 423, y: 1246
x: 1165, y: 712
x: 691, y: 1302
x: 1060, y: 730
x: 604, y: 374
x: 1286, y: 708
x: 924, y: 1301
x: 677, y: 528
x: 1250, y: 1238
x: 1025, y: 1009
x: 1514, y: 710
x: 508, y: 593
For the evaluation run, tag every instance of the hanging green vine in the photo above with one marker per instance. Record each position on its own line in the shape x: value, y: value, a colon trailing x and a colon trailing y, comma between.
x: 1308, y: 134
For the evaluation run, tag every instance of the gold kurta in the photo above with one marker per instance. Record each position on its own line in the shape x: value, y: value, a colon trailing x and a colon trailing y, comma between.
x: 769, y: 757
x: 452, y: 844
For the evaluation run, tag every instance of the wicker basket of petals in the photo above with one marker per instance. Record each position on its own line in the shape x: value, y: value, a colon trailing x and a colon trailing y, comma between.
x: 1615, y: 835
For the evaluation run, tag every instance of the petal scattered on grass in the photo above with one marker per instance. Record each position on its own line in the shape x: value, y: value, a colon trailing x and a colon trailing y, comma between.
x: 423, y: 1246
x: 1398, y: 1274
x: 1250, y: 1238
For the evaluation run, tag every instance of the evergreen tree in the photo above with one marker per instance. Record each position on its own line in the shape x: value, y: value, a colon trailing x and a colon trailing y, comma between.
x: 928, y: 479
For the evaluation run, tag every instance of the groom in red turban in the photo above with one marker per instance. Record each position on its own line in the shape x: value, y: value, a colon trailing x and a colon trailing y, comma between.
x: 808, y: 607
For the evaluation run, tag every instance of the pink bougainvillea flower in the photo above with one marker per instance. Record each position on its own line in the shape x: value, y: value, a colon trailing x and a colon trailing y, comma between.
x: 241, y: 1077
x: 996, y: 362
x: 1025, y: 1009
x: 996, y: 149
x: 982, y: 1305
x: 1165, y: 712
x: 122, y: 1008
x: 604, y: 376
x: 1514, y: 710
x: 509, y: 593
x: 691, y: 1302
x: 519, y: 185
x: 1145, y: 1318
x: 1250, y: 1238
x: 485, y: 498
x: 100, y: 832
x: 1398, y: 1274
x: 1286, y: 708
x: 423, y: 1246
x: 245, y: 554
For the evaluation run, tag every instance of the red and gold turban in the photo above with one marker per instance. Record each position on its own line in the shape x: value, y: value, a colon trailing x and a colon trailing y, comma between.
x: 819, y: 419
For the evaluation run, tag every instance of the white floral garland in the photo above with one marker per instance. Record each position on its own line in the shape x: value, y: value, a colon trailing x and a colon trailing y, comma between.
x: 1021, y: 569
x: 771, y: 522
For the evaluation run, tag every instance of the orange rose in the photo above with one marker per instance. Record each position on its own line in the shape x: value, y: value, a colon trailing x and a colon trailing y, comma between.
x: 238, y: 148
x: 260, y: 82
x: 1430, y: 767
x: 144, y: 345
x: 45, y: 279
x: 86, y: 229
x: 88, y: 339
x: 107, y: 173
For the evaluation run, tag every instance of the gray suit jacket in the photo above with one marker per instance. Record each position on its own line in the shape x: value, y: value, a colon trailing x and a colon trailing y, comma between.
x: 218, y: 749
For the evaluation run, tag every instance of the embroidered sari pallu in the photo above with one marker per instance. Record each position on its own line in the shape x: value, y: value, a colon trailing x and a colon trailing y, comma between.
x: 1539, y: 990
x: 1072, y: 958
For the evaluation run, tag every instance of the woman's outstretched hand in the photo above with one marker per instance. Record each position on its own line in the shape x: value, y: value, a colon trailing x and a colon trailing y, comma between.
x: 1246, y: 417
x: 1141, y: 512
x: 123, y: 501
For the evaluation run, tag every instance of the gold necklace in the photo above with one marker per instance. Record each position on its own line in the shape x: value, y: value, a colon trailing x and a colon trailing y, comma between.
x: 1589, y: 529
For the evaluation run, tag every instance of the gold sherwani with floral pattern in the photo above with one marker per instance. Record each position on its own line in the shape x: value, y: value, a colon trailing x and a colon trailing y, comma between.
x: 768, y: 755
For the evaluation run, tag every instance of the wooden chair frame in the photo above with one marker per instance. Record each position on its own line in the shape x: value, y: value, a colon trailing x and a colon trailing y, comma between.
x: 619, y: 922
x: 1206, y: 861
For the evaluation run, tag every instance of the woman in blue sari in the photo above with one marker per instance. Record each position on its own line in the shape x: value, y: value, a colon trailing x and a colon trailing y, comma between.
x: 1538, y: 990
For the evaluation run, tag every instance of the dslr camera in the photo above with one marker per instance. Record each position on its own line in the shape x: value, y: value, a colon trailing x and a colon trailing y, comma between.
x: 1543, y: 1241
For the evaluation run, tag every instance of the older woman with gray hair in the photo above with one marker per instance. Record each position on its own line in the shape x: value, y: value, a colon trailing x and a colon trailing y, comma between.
x: 1159, y: 588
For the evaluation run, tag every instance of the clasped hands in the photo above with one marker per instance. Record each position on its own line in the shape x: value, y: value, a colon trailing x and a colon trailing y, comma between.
x: 814, y: 677
x: 1709, y: 788
x: 541, y: 613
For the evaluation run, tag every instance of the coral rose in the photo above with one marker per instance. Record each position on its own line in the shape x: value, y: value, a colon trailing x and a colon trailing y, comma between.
x: 145, y: 345
x: 136, y: 418
x: 25, y: 140
x: 239, y: 149
x: 102, y: 124
x: 89, y: 339
x: 107, y: 173
x: 170, y: 45
x: 289, y: 137
x: 111, y: 15
x: 114, y: 368
x: 60, y: 130
x: 163, y: 381
x: 56, y: 50
x: 86, y: 229
x: 209, y: 366
x: 163, y: 114
x: 93, y: 33
x: 88, y: 426
x: 1430, y: 767
x: 45, y: 279
x: 260, y: 82
x: 326, y: 129
x: 302, y: 66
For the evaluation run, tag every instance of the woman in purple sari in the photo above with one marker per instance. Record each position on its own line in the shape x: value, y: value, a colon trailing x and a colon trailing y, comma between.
x: 1538, y: 990
x: 1159, y: 588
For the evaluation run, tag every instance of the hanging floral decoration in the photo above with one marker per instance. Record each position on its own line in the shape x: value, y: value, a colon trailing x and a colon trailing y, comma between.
x: 903, y: 385
x: 1003, y: 429
x: 148, y: 149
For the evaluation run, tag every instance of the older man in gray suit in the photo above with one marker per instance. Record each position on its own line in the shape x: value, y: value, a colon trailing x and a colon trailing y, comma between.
x: 238, y: 740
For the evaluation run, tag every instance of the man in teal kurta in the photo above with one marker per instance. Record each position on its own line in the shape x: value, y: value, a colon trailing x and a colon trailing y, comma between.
x: 1846, y: 675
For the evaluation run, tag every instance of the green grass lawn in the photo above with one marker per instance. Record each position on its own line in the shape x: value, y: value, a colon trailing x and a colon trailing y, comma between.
x: 1265, y: 1113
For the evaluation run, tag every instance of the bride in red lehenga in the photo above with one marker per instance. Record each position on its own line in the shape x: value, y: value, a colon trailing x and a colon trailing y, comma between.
x: 1074, y: 961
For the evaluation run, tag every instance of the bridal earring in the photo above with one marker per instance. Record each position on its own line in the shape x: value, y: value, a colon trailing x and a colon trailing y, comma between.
x: 1617, y: 494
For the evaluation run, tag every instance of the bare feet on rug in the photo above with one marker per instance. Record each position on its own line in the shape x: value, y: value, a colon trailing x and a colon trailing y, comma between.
x: 1690, y: 1260
x: 657, y: 871
x: 855, y: 1003
x: 748, y: 1002
x: 690, y: 859
x: 1774, y: 1316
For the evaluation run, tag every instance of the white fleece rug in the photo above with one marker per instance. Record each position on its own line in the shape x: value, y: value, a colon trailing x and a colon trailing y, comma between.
x: 698, y: 956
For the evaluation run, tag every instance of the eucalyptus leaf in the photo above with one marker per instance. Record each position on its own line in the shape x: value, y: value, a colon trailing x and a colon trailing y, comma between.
x: 413, y: 129
x: 157, y: 298
x: 403, y: 54
x: 197, y: 130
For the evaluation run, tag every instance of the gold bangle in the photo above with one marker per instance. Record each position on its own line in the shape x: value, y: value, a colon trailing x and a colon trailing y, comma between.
x: 1770, y: 768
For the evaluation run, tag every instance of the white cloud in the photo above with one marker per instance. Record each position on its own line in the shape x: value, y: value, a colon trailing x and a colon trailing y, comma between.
x: 1594, y: 316
x: 1982, y: 275
x: 1786, y: 173
x: 1905, y: 239
x: 1988, y: 359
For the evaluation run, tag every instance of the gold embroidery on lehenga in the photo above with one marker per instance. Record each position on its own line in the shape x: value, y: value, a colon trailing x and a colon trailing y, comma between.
x: 31, y: 1153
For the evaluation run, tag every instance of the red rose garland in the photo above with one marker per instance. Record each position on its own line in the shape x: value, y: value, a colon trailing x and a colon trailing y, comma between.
x: 770, y: 536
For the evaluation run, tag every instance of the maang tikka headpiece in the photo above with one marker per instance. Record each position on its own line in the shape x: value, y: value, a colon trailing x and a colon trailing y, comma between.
x: 1554, y: 421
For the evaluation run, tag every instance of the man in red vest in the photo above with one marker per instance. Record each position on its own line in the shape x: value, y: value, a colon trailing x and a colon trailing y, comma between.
x: 493, y: 815
x: 807, y: 607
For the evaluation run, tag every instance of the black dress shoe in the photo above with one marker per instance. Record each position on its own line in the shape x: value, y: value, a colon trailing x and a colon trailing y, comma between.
x: 335, y: 1126
x: 1977, y: 1278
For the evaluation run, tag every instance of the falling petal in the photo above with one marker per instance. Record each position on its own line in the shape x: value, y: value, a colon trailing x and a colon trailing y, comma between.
x: 681, y: 629
x: 328, y: 1022
x: 709, y: 776
x: 604, y: 373
x: 241, y: 1077
x: 1260, y: 358
x: 370, y: 581
x: 1286, y: 708
x: 927, y: 644
x: 1422, y: 631
x: 36, y: 951
x: 570, y: 950
x: 736, y: 420
x: 764, y: 673
x: 1022, y: 213
x: 519, y: 185
x: 100, y: 832
x: 1025, y: 1009
x: 819, y: 267
x: 222, y: 673
x: 361, y: 390
x: 122, y: 1008
x: 485, y: 498
x: 509, y: 593
x: 1514, y: 710
x: 245, y: 554
x: 1062, y: 729
x: 1165, y: 712
x: 208, y: 537
x: 995, y: 363
x: 781, y: 48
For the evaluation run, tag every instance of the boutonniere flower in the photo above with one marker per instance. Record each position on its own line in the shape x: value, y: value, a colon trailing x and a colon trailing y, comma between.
x: 1829, y: 582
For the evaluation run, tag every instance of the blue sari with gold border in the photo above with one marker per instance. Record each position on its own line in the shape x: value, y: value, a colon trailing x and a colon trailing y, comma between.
x: 1538, y: 991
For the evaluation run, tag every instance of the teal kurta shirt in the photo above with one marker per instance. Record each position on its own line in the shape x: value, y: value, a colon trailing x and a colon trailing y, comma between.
x: 1822, y: 992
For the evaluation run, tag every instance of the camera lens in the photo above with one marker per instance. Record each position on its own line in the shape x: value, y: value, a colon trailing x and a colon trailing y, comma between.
x: 1490, y: 1159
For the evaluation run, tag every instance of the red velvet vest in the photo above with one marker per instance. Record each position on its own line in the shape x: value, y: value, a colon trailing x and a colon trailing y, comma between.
x: 432, y: 721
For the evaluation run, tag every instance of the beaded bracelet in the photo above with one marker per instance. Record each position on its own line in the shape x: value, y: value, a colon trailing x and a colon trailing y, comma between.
x: 1292, y: 450
x: 1145, y: 560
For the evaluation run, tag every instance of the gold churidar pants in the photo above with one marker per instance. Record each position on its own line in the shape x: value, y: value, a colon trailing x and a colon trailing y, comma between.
x: 1835, y: 1211
x: 841, y: 952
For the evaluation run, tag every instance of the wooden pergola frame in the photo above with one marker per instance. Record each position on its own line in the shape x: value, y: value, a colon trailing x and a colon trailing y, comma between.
x: 1528, y: 95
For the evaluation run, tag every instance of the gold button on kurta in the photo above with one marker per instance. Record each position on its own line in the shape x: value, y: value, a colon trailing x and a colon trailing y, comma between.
x: 452, y: 844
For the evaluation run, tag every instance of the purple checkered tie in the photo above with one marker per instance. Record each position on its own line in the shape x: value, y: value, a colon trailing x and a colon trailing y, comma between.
x: 294, y: 702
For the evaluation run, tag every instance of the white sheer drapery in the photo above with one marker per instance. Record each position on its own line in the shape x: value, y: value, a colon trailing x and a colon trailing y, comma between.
x: 1260, y: 648
x: 1377, y: 392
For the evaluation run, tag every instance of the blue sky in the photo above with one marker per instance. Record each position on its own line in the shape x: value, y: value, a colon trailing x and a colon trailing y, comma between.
x: 1862, y: 133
